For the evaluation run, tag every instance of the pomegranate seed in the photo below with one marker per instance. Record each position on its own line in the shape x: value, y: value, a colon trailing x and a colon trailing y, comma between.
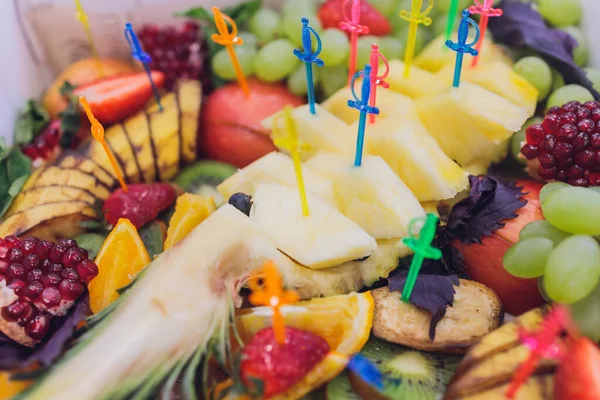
x: 553, y: 110
x: 595, y: 116
x: 586, y: 125
x: 591, y: 105
x: 29, y: 244
x: 38, y: 327
x: 579, y: 182
x: 12, y: 241
x: 581, y: 141
x: 564, y: 164
x: 561, y: 176
x: 585, y: 159
x: 50, y: 296
x: 595, y: 140
x: 530, y: 151
x: 534, y: 134
x: 33, y: 290
x: 15, y: 309
x: 87, y: 270
x: 594, y: 178
x: 562, y: 150
x: 56, y: 253
x: 35, y: 275
x: 583, y: 113
x: 568, y: 118
x: 575, y: 172
x: 74, y: 256
x: 4, y: 267
x: 42, y: 147
x: 43, y: 248
x: 597, y: 158
x: 70, y: 274
x: 547, y: 160
x: 56, y: 268
x: 4, y: 247
x: 71, y: 290
x: 31, y: 152
x: 52, y: 279
x: 68, y: 243
x: 547, y: 173
x: 16, y: 271
x: 566, y: 133
x: 572, y: 106
x: 14, y: 255
x: 547, y: 144
x: 32, y: 261
x: 27, y: 315
x: 551, y: 123
x: 17, y: 286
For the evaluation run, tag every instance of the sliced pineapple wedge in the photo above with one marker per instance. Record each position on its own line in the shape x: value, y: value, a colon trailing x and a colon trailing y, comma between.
x: 276, y: 168
x: 417, y: 159
x: 372, y: 195
x: 421, y: 83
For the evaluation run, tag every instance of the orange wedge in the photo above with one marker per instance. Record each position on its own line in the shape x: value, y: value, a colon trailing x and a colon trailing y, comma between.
x: 122, y: 256
x: 8, y: 388
x: 190, y: 211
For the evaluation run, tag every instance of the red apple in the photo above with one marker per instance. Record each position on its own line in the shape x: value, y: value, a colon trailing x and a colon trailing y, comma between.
x: 231, y: 130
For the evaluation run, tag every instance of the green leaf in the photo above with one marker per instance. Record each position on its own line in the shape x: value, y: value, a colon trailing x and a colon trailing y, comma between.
x: 15, y: 168
x: 70, y: 122
x: 31, y: 122
x: 199, y: 13
x: 66, y: 90
x: 239, y: 13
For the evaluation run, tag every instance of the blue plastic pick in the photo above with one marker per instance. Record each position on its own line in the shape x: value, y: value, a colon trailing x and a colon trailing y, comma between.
x: 363, y: 106
x: 308, y: 57
x: 461, y: 46
x: 366, y: 370
x: 138, y: 53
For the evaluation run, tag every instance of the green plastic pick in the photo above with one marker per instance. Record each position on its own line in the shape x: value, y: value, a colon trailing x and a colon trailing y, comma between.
x: 422, y: 249
x: 451, y: 18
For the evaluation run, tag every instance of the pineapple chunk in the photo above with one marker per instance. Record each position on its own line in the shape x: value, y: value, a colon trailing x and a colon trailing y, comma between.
x: 323, y: 239
x: 467, y: 120
x: 498, y: 78
x: 417, y: 159
x: 278, y: 168
x: 321, y: 131
x: 420, y: 83
x: 493, y: 155
x: 371, y: 195
x: 391, y: 105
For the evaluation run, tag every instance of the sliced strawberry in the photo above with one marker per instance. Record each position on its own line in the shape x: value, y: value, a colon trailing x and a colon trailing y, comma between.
x: 115, y: 98
x: 331, y: 16
x: 578, y: 376
x: 280, y: 366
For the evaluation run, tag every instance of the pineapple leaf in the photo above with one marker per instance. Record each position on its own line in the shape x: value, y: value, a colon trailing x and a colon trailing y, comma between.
x: 189, y: 375
x: 168, y: 387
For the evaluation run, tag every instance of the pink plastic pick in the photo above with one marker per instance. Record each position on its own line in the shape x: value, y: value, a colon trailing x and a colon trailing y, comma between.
x: 375, y: 79
x: 486, y: 11
x: 352, y: 24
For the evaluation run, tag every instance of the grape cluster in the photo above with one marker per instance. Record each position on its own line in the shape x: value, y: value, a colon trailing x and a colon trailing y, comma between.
x: 563, y: 251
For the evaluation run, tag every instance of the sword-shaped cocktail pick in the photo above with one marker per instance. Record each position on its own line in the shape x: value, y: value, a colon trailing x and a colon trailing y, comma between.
x: 451, y: 17
x: 352, y: 24
x: 422, y: 248
x: 363, y: 106
x: 138, y: 53
x: 308, y: 57
x: 83, y: 18
x: 415, y: 17
x: 228, y: 39
x: 377, y: 80
x: 461, y: 46
x: 486, y: 11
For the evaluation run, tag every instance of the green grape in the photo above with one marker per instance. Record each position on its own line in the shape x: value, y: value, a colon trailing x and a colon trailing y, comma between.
x: 551, y: 188
x: 265, y: 24
x: 518, y: 138
x: 423, y: 37
x: 275, y: 61
x: 249, y: 39
x: 595, y: 188
x: 543, y: 229
x: 557, y: 80
x: 580, y: 53
x: 292, y: 28
x: 574, y: 209
x: 299, y: 8
x: 586, y: 313
x: 333, y: 79
x: 537, y: 72
x: 527, y: 258
x: 223, y: 67
x: 296, y: 82
x: 385, y: 7
x: 593, y: 75
x: 561, y: 12
x: 540, y: 284
x: 336, y: 47
x: 391, y: 47
x: 568, y: 93
x: 363, y: 48
x: 573, y: 269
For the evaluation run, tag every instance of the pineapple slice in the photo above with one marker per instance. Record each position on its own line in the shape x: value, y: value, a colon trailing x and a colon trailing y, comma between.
x: 391, y: 105
x: 323, y: 239
x: 498, y: 78
x: 371, y: 195
x: 421, y: 83
x: 417, y: 159
x: 277, y: 168
x: 321, y: 131
x: 467, y: 120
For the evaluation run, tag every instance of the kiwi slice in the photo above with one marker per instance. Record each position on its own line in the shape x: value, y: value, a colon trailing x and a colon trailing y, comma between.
x: 340, y: 388
x: 153, y: 235
x: 407, y: 374
x: 203, y: 178
x: 92, y: 242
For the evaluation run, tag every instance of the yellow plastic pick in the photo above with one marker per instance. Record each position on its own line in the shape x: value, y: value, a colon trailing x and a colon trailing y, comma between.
x: 228, y: 39
x: 272, y: 294
x: 98, y: 133
x: 83, y: 18
x: 415, y: 17
x: 286, y: 137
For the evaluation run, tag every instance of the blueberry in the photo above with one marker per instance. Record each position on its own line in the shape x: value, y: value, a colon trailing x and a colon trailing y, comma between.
x: 242, y: 202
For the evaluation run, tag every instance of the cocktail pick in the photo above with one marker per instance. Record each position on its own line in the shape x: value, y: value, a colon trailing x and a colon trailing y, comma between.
x: 272, y: 294
x: 451, y: 17
x: 363, y: 106
x: 377, y: 80
x: 308, y: 57
x: 98, y: 133
x: 286, y: 137
x: 422, y: 248
x: 138, y: 53
x: 83, y: 18
x: 352, y: 24
x: 366, y: 370
x: 486, y: 11
x: 228, y: 39
x: 461, y: 46
x: 546, y: 343
x: 415, y: 17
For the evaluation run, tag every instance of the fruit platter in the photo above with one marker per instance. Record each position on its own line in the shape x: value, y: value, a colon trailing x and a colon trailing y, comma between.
x: 336, y: 199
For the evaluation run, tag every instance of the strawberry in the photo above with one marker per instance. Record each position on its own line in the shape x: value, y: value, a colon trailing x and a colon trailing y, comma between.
x: 280, y: 366
x: 140, y: 205
x: 115, y: 98
x: 331, y: 16
x: 578, y: 375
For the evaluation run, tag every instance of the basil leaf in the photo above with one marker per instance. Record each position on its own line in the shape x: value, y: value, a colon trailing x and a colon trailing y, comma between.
x: 31, y: 122
x: 15, y: 168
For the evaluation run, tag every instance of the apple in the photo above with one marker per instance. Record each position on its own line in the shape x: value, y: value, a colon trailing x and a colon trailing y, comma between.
x: 578, y: 374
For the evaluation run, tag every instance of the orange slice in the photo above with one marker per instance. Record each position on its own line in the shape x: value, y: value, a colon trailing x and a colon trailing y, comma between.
x: 190, y: 211
x: 122, y: 256
x: 8, y: 388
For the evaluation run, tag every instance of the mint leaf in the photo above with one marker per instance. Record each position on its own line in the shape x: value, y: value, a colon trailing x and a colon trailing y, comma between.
x: 70, y: 122
x: 31, y: 122
x: 199, y: 13
x: 15, y: 168
x: 67, y: 89
x: 239, y: 13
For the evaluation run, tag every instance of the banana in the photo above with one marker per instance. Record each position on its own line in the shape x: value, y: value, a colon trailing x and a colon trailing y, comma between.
x: 59, y: 176
x: 71, y: 159
x: 50, y: 194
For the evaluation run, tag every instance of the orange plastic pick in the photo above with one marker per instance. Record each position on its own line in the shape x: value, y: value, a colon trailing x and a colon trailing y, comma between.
x: 98, y: 133
x: 271, y: 293
x: 228, y: 39
x: 83, y: 18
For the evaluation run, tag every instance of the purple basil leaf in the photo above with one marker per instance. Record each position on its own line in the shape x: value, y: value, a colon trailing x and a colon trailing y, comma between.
x: 490, y: 202
x: 16, y: 356
x: 521, y: 25
x: 433, y: 293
